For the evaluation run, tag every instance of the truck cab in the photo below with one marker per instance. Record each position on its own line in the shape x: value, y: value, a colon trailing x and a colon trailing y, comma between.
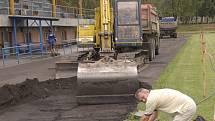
x: 168, y: 26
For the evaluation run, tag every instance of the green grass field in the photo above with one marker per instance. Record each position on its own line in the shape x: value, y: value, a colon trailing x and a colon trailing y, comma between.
x: 184, y: 73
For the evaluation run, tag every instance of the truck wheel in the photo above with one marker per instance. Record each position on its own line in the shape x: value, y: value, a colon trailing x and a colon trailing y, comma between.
x: 157, y: 51
x: 151, y: 49
x: 157, y: 46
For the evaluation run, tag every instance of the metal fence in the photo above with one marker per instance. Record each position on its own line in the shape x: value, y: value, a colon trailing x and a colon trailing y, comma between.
x: 19, y: 52
x: 43, y: 8
x: 27, y: 52
x: 33, y: 8
x: 73, y: 12
x: 4, y: 7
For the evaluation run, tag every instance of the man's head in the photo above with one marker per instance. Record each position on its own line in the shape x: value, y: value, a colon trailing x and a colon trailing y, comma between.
x: 142, y: 94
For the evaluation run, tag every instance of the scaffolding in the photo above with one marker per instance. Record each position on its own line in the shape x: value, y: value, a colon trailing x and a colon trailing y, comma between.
x: 33, y: 8
x: 44, y: 8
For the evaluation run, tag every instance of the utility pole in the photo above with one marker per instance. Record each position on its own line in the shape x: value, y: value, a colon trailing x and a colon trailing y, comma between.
x: 80, y: 8
x: 203, y: 61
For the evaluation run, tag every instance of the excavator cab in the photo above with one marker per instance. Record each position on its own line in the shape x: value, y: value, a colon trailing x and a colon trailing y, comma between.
x: 127, y: 24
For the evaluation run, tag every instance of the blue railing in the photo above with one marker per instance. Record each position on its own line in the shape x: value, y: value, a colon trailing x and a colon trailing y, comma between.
x: 28, y: 52
x: 21, y: 52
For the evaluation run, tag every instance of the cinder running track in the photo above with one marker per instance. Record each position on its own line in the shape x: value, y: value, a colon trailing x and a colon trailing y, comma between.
x: 54, y: 100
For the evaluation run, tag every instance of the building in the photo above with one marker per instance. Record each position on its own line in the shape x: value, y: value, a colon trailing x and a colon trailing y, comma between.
x: 24, y: 22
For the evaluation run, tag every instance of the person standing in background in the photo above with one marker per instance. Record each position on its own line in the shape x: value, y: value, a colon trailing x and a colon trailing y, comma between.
x: 52, y: 41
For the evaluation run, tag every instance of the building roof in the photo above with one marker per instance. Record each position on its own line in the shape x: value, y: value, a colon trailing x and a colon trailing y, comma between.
x: 33, y: 17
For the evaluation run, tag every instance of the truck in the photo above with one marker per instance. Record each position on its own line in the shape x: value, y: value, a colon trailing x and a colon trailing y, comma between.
x: 168, y: 26
x: 151, y: 28
x: 126, y: 35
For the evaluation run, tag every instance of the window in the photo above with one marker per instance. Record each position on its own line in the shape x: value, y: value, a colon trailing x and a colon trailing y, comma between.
x: 28, y: 38
x: 16, y: 1
x: 1, y: 43
x: 63, y: 35
x: 46, y: 36
x: 127, y: 12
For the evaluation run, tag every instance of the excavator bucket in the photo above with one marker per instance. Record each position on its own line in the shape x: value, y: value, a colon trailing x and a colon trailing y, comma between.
x: 66, y: 69
x: 107, y: 81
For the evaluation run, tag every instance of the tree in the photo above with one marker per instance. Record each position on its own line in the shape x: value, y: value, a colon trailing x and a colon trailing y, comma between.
x: 185, y: 10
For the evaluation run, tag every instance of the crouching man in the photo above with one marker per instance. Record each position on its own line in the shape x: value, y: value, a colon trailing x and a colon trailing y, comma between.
x: 180, y: 106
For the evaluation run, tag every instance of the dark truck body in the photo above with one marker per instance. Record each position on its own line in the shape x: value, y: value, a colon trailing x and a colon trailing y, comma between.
x: 137, y: 26
x: 168, y: 26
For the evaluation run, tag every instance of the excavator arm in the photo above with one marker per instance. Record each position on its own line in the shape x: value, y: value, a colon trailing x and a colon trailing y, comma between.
x: 104, y: 27
x: 106, y: 31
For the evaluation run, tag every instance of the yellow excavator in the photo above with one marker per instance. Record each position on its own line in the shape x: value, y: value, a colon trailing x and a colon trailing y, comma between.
x: 109, y: 72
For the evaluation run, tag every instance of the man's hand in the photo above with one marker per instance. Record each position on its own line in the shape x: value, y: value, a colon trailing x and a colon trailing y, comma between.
x: 151, y: 117
x: 145, y: 118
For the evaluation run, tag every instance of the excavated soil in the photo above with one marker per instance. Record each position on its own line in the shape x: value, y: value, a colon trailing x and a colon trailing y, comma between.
x: 54, y: 100
x: 32, y: 89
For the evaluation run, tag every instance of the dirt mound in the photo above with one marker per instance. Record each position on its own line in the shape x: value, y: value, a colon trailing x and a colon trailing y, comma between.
x: 31, y: 89
x: 12, y: 94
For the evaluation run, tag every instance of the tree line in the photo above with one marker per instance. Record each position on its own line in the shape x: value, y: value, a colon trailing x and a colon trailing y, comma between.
x: 186, y: 11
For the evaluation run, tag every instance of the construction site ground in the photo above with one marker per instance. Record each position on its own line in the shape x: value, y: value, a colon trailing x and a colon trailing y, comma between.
x: 40, y: 98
